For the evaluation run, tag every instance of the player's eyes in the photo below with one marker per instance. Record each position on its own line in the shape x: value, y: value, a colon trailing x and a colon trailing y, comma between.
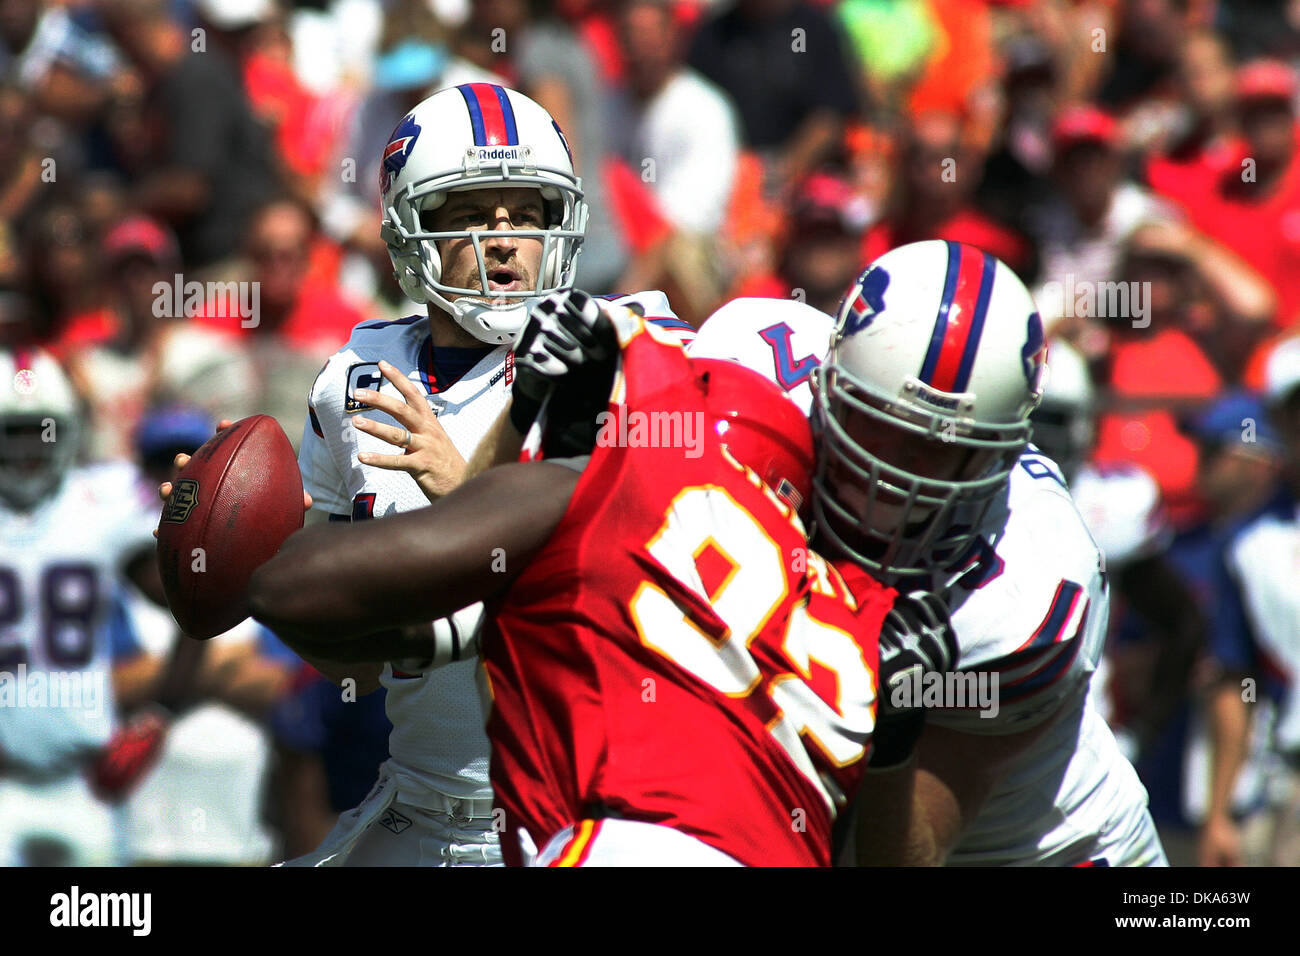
x: 470, y: 218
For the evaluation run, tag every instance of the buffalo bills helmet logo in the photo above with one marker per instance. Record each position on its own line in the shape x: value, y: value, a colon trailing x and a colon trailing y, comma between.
x: 865, y: 299
x: 398, y: 151
x: 1033, y: 351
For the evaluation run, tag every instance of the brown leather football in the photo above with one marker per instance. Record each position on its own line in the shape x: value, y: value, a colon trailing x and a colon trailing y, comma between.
x: 230, y: 509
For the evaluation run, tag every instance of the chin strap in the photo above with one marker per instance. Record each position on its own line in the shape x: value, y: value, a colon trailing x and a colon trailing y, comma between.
x: 468, y: 315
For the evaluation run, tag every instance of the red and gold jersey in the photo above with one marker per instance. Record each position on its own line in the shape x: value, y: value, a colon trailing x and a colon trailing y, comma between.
x: 675, y: 655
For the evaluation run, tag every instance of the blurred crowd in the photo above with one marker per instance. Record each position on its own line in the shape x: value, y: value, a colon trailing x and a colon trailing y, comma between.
x: 1134, y: 160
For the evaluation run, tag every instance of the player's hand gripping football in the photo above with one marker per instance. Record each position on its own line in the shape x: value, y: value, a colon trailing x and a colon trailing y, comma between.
x: 916, y: 638
x: 428, y: 455
x: 181, y: 460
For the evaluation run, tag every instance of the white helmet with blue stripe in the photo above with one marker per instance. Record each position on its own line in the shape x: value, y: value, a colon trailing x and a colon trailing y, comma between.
x: 39, y: 427
x: 922, y: 405
x: 476, y: 136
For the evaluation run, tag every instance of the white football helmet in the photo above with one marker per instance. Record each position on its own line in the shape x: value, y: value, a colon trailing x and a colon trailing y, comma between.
x: 474, y: 136
x: 1064, y: 423
x: 38, y: 427
x: 922, y: 405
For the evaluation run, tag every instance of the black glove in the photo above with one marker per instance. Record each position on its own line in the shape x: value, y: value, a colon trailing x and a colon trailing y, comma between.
x: 917, y: 636
x: 567, y: 349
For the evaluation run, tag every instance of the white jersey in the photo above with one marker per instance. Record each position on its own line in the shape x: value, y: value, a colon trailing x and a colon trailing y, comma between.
x: 438, y: 745
x: 1122, y: 508
x: 59, y: 586
x: 1036, y: 617
x: 1264, y: 560
x: 1030, y: 603
x: 202, y: 801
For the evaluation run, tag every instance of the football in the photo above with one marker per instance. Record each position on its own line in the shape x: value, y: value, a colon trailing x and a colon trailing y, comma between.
x: 231, y: 507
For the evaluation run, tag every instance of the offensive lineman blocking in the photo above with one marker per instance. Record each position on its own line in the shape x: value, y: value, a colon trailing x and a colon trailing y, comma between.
x: 1043, y: 782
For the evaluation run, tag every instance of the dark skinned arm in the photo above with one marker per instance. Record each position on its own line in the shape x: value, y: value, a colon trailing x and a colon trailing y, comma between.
x: 368, y: 591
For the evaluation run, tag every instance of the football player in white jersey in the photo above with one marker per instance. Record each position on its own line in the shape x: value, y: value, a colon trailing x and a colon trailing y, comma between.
x: 483, y: 216
x: 64, y: 535
x: 920, y: 397
x: 1122, y: 507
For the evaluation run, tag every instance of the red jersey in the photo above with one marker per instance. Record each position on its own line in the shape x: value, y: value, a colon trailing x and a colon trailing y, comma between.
x: 675, y: 655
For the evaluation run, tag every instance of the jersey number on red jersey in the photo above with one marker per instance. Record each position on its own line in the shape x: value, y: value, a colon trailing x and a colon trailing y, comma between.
x: 707, y: 530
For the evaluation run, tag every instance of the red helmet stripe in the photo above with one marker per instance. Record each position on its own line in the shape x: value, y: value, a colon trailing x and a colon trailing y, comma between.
x: 491, y: 115
x: 960, y: 320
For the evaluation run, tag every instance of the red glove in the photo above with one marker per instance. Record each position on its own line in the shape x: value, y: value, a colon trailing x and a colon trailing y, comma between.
x: 128, y: 756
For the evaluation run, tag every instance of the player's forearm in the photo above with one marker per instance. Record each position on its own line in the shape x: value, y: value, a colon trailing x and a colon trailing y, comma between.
x: 892, y: 828
x: 329, y: 587
x: 1229, y: 727
x: 893, y: 822
x: 1246, y: 293
x: 354, y: 654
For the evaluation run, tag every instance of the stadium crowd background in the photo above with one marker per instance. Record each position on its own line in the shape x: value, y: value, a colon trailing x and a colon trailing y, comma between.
x: 761, y: 147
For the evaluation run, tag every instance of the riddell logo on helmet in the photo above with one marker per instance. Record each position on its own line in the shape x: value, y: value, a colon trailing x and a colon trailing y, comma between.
x: 932, y: 397
x: 483, y: 153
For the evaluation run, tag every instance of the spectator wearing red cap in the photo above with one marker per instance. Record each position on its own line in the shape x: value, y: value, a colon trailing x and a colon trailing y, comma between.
x: 936, y: 175
x: 1254, y: 208
x: 1083, y: 228
x: 818, y: 257
x: 133, y: 351
x: 1205, y: 143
